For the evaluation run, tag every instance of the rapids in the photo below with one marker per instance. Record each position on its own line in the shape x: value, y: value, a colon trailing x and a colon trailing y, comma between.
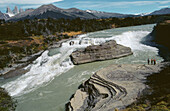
x: 53, y: 78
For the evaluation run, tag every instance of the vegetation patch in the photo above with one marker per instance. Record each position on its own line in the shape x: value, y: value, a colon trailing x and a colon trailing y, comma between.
x: 6, y: 101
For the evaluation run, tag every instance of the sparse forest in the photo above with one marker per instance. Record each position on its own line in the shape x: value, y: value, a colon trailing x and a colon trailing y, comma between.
x: 26, y: 37
x: 22, y: 29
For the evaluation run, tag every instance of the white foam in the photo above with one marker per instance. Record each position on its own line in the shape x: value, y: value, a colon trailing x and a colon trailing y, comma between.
x: 133, y: 40
x: 130, y: 39
x: 43, y: 70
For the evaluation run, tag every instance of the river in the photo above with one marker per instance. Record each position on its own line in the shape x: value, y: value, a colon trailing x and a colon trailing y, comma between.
x: 53, y: 78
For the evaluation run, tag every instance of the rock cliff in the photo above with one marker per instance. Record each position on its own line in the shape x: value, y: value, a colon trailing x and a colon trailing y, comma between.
x: 15, y: 11
x: 161, y: 35
x: 106, y: 51
x: 116, y: 86
x: 8, y: 10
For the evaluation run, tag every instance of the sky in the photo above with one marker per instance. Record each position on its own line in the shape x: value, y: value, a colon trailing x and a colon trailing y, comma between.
x: 116, y: 6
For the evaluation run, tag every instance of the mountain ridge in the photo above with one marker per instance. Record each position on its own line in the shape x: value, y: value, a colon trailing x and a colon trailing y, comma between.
x: 161, y: 11
x: 3, y: 16
x: 51, y: 11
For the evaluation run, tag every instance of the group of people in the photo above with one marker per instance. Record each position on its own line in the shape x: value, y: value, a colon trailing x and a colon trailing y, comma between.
x: 152, y: 61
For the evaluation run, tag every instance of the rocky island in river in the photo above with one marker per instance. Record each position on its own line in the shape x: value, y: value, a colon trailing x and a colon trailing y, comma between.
x: 105, y: 51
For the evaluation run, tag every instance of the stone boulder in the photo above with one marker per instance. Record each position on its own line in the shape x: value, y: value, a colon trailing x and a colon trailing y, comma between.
x: 105, y: 51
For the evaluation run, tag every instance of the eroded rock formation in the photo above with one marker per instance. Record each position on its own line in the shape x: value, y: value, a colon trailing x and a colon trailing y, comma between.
x: 116, y: 86
x: 106, y: 51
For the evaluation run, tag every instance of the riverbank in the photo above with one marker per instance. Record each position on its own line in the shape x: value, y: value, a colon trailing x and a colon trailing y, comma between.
x: 114, y: 87
x: 18, y: 67
x: 157, y: 94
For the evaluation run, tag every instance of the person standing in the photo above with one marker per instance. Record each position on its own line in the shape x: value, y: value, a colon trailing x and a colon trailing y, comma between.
x: 148, y: 61
x: 154, y: 61
x: 151, y: 61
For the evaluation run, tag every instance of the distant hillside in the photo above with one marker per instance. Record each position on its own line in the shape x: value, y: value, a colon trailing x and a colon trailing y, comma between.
x: 101, y: 14
x: 22, y: 15
x: 161, y: 11
x: 13, y: 12
x: 51, y: 11
x: 3, y: 16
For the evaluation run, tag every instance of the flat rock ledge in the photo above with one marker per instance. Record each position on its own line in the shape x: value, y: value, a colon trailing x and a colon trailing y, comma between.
x: 116, y: 86
x: 105, y: 51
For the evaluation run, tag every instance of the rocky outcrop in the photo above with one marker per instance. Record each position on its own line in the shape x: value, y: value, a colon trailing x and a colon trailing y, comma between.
x: 161, y: 36
x: 15, y: 11
x: 116, y: 86
x: 161, y: 33
x: 8, y: 10
x: 106, y: 51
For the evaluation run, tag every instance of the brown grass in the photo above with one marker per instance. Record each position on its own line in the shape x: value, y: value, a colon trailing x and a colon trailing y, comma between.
x: 72, y: 33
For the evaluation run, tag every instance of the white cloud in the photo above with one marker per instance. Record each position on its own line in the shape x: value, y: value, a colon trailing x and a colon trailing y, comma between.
x: 164, y: 2
x: 29, y: 6
x: 104, y: 4
x: 163, y: 6
x: 28, y: 1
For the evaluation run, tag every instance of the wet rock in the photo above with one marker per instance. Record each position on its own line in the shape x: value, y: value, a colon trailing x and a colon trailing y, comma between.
x: 105, y: 51
x: 116, y: 86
